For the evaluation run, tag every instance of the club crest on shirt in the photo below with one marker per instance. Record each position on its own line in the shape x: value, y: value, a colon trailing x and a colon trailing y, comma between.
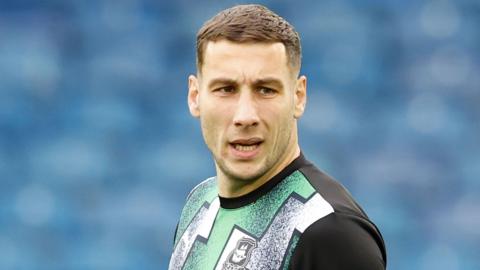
x: 238, y: 258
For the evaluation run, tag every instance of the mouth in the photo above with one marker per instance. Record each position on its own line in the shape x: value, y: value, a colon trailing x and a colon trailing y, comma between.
x: 245, y: 148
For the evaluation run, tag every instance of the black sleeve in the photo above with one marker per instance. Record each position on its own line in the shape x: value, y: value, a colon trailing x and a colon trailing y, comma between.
x: 340, y: 242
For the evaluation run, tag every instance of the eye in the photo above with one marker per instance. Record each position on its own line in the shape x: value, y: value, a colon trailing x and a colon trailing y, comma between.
x: 224, y: 90
x: 265, y: 91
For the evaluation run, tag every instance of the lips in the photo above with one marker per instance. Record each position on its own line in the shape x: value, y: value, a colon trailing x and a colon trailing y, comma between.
x: 245, y: 148
x: 247, y: 142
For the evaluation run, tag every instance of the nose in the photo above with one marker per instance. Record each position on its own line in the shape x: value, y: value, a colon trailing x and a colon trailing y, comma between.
x: 246, y: 114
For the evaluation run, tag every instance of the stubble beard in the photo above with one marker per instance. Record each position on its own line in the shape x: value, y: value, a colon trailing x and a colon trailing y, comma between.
x: 232, y: 176
x: 271, y: 159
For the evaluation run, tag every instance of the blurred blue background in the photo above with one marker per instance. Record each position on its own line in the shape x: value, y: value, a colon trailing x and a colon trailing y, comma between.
x: 98, y: 150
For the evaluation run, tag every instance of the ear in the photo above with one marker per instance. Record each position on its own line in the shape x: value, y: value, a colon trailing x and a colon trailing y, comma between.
x: 300, y: 97
x: 193, y: 96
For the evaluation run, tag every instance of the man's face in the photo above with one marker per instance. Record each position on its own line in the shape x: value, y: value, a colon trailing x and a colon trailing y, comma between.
x: 247, y: 98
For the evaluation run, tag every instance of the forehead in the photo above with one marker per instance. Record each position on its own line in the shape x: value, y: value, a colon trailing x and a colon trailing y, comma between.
x: 226, y: 58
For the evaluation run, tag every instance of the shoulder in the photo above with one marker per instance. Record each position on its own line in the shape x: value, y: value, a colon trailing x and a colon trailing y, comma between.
x: 340, y: 241
x: 345, y: 238
x: 332, y: 191
x: 201, y: 196
x: 206, y: 186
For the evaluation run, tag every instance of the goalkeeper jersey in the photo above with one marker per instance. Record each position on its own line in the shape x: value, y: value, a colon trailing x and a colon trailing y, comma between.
x: 300, y: 219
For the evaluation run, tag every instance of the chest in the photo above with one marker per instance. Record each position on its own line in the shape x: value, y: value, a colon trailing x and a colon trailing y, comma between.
x: 255, y: 237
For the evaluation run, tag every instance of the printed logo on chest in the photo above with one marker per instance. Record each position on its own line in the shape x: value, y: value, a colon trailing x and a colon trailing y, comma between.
x: 239, y: 257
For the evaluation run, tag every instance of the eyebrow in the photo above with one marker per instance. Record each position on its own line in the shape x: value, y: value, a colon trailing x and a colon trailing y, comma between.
x: 269, y: 81
x: 263, y: 81
x: 221, y: 81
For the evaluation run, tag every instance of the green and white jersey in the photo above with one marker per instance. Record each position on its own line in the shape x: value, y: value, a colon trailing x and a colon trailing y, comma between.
x: 265, y: 228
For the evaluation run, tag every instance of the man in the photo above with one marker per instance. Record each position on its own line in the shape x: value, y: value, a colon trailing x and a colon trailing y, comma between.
x: 268, y: 207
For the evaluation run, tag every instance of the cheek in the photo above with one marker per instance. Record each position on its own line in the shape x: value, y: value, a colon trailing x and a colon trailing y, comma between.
x: 213, y: 122
x: 280, y: 116
x: 282, y: 123
x: 208, y: 127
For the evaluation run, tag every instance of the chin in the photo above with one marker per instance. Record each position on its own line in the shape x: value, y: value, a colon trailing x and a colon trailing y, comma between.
x: 241, y: 170
x: 245, y: 174
x: 246, y: 177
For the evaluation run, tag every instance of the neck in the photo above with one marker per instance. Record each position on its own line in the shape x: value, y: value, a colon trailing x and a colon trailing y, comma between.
x: 231, y: 188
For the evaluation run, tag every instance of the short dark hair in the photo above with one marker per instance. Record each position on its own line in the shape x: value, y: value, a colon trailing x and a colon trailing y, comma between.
x: 250, y: 23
